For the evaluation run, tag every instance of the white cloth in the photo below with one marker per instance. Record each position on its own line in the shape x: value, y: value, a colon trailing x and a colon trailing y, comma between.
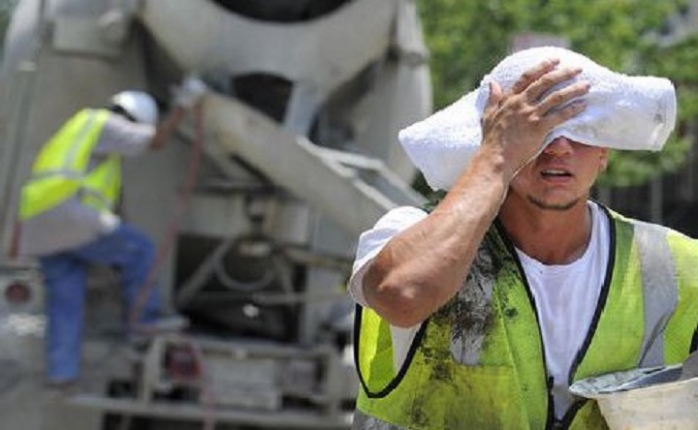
x: 71, y: 223
x: 623, y: 112
x: 564, y: 313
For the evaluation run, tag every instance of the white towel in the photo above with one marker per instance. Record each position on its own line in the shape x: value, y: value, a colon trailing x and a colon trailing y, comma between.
x: 623, y: 112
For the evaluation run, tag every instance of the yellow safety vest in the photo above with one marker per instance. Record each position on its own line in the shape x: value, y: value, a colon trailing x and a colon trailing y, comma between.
x: 478, y: 363
x: 60, y: 169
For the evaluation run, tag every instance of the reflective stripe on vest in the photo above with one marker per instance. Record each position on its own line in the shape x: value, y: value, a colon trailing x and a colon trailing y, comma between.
x: 101, y: 186
x: 59, y: 169
x: 638, y: 320
x: 660, y: 289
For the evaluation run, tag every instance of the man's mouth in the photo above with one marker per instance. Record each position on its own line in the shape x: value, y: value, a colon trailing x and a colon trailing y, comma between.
x: 555, y: 173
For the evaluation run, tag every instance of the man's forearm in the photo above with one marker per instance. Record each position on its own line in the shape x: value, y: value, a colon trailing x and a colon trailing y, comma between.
x: 420, y: 269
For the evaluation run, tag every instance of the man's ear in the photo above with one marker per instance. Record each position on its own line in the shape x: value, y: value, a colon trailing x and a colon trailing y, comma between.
x: 603, y: 158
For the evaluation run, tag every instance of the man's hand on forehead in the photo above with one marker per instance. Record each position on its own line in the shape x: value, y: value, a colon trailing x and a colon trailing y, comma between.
x: 533, y: 100
x: 516, y: 122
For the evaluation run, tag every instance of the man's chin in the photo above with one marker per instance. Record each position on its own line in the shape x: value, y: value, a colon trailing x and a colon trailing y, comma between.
x: 553, y: 206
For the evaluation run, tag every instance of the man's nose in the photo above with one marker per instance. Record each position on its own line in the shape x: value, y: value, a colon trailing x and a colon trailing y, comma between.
x: 559, y: 145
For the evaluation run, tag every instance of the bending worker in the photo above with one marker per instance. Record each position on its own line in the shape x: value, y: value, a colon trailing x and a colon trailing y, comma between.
x: 480, y: 313
x: 68, y: 219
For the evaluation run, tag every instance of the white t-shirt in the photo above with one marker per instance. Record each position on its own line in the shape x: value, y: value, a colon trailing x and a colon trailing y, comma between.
x: 565, y: 295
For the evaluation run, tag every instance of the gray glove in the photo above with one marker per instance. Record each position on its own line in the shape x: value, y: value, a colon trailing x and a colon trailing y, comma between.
x: 189, y: 92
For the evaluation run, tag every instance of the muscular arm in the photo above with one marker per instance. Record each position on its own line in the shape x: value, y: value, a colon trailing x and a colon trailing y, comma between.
x: 421, y: 268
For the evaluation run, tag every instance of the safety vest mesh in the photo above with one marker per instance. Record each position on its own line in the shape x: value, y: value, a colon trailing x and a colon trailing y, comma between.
x: 60, y: 169
x: 478, y: 363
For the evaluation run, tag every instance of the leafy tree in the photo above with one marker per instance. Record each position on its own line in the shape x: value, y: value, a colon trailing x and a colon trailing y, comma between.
x: 467, y: 39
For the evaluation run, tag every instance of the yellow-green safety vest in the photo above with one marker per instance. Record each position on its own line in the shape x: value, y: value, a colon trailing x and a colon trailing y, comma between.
x: 478, y: 363
x: 60, y: 169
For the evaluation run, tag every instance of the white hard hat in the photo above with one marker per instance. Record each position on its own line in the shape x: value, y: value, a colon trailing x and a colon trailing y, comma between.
x: 139, y: 105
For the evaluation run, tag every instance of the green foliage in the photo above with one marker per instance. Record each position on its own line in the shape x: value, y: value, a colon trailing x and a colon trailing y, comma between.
x: 466, y: 39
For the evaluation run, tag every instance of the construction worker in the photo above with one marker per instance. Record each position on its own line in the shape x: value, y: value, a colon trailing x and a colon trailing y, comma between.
x: 480, y: 313
x: 68, y: 218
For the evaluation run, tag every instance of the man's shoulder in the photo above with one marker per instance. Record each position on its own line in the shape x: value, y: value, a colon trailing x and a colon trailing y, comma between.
x: 84, y: 114
x: 90, y: 111
x: 652, y: 228
x: 125, y: 137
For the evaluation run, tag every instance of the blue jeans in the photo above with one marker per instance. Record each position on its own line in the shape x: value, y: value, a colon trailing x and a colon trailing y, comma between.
x: 126, y: 249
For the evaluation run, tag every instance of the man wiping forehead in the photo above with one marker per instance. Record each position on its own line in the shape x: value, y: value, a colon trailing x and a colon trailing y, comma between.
x: 622, y: 112
x: 482, y: 312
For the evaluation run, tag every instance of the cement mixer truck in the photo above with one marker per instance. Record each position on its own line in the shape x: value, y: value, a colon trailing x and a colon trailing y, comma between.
x: 256, y: 204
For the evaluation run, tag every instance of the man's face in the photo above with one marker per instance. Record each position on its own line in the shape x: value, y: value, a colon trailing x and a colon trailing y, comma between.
x: 561, y: 176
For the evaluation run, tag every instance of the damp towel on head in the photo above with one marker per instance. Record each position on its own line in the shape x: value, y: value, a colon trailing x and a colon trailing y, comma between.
x: 623, y: 112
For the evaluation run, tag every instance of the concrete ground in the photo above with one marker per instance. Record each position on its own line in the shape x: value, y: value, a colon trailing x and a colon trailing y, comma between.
x: 25, y: 401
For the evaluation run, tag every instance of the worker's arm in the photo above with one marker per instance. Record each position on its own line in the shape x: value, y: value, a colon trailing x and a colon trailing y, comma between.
x: 167, y: 126
x: 422, y: 267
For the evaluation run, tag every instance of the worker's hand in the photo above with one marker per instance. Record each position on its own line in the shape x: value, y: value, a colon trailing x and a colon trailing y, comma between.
x: 189, y: 93
x: 184, y: 96
x: 516, y: 122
